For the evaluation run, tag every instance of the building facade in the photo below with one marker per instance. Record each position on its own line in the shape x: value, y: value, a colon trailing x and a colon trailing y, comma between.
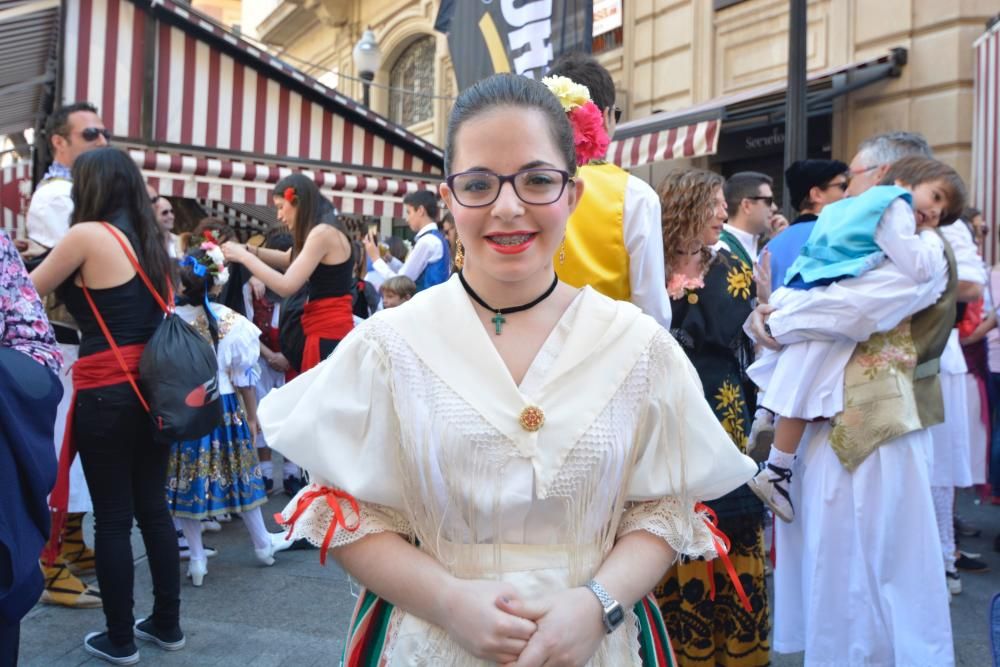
x: 670, y: 55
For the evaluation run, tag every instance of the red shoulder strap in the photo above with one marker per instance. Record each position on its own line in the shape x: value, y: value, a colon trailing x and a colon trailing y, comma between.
x: 142, y: 274
x: 103, y: 324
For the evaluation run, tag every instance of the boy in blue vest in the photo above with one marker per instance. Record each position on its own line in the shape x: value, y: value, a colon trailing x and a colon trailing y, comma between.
x: 429, y: 263
x: 889, y: 228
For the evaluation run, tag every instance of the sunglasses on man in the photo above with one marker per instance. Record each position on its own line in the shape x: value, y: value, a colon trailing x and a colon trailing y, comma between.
x: 90, y: 134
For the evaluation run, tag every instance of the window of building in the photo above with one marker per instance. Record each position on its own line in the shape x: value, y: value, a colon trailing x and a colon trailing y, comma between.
x: 413, y: 72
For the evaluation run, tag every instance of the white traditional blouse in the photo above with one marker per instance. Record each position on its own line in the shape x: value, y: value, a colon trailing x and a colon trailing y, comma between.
x: 416, y: 416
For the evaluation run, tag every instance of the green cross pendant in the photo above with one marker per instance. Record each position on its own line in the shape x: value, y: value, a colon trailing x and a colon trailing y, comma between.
x: 499, y: 320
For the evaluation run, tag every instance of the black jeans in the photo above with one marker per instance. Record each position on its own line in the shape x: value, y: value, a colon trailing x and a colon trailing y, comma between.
x: 126, y: 472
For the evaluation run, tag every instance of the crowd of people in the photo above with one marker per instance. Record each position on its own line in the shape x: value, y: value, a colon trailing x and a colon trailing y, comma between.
x: 533, y: 435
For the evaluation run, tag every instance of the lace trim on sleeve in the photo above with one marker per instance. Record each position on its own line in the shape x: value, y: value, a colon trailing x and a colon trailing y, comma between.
x: 684, y: 529
x: 330, y: 518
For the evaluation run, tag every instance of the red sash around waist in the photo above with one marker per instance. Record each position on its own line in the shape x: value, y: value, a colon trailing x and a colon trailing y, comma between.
x: 95, y: 370
x: 330, y: 319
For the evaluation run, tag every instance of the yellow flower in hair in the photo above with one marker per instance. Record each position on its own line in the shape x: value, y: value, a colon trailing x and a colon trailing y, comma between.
x: 571, y: 94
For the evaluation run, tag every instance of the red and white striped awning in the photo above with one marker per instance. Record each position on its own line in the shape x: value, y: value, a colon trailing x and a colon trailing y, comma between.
x: 986, y: 135
x: 249, y: 182
x: 686, y: 141
x: 216, y: 118
x: 694, y: 131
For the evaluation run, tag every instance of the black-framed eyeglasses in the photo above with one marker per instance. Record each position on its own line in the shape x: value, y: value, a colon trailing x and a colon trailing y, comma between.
x: 540, y: 186
x: 90, y: 134
x: 768, y: 201
x: 618, y: 114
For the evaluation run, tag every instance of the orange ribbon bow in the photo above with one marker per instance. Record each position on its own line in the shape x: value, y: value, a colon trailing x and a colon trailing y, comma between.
x: 333, y: 497
x: 722, y: 545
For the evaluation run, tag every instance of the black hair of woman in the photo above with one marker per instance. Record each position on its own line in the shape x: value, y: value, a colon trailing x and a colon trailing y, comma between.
x: 197, y: 282
x: 511, y: 90
x: 107, y: 183
x: 311, y: 206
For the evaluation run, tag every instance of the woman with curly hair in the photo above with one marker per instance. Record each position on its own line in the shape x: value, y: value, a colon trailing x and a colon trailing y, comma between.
x: 711, y: 293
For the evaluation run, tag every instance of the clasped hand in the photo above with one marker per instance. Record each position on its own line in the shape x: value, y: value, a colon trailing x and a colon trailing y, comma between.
x: 493, y: 622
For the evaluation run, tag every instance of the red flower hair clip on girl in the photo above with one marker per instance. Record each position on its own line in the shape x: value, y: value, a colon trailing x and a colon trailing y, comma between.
x: 289, y: 194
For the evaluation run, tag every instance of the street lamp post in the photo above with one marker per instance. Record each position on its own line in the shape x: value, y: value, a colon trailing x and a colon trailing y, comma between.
x: 367, y: 59
x: 795, y: 105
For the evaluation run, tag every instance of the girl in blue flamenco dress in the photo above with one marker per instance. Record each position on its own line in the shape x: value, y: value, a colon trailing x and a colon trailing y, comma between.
x: 220, y: 472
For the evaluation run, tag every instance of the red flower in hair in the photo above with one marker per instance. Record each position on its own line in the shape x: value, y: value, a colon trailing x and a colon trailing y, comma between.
x: 289, y: 194
x: 589, y: 135
x: 210, y: 236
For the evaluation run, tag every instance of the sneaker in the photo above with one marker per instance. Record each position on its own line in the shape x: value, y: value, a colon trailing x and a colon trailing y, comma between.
x: 62, y: 587
x: 954, y: 582
x: 97, y: 643
x: 168, y: 640
x: 210, y: 525
x: 963, y: 529
x: 185, y: 552
x: 769, y: 484
x: 974, y: 565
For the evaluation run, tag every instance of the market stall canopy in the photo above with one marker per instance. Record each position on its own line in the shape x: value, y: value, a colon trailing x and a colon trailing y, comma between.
x: 986, y: 134
x: 694, y: 131
x: 208, y: 115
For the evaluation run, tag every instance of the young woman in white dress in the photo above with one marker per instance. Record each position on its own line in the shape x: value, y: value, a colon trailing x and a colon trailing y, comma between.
x: 508, y: 481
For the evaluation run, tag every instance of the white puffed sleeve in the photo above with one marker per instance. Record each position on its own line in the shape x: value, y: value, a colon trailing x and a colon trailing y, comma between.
x: 685, y: 457
x: 338, y: 422
x: 239, y: 351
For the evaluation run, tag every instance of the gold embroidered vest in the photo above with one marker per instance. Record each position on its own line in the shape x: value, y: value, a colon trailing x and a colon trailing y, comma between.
x: 891, y: 384
x: 595, y: 252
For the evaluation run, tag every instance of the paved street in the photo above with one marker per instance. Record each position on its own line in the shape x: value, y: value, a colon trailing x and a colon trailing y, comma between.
x: 294, y: 613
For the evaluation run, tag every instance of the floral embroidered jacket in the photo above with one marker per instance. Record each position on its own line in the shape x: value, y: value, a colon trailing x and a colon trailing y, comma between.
x: 23, y: 325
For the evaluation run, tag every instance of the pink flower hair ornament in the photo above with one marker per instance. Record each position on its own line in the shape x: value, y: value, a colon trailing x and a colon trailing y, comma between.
x: 589, y: 135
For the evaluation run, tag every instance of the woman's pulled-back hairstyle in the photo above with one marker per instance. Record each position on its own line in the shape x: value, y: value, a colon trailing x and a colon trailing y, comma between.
x: 106, y: 183
x: 195, y: 289
x: 686, y: 199
x: 916, y: 170
x: 511, y: 90
x: 312, y: 208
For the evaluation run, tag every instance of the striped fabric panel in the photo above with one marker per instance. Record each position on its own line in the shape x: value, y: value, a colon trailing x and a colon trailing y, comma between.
x: 370, y: 625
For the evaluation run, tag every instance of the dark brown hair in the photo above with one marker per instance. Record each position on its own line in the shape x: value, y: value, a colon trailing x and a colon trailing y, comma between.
x: 686, y: 200
x: 106, y: 182
x: 311, y: 208
x: 916, y: 170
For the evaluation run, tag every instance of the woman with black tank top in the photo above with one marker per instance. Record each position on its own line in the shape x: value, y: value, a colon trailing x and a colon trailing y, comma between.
x: 322, y: 257
x: 124, y: 466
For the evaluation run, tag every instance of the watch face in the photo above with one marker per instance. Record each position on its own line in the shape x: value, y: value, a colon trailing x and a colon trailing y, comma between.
x: 614, y: 616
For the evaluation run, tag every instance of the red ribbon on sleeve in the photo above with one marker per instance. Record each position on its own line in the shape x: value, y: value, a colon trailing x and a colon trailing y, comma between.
x: 333, y: 497
x: 722, y: 545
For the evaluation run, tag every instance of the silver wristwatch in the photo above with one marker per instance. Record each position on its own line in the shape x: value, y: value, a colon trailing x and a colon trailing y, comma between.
x: 614, y: 615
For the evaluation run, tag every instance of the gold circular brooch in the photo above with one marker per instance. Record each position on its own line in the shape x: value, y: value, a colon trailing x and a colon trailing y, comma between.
x: 692, y: 298
x: 532, y: 419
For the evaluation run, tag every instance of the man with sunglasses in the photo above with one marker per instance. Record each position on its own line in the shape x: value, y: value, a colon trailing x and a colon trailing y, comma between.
x: 812, y: 184
x: 614, y: 241
x: 70, y: 131
x: 750, y: 202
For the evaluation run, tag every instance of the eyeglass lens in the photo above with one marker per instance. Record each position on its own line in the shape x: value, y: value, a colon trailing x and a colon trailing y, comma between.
x: 532, y: 186
x: 618, y: 115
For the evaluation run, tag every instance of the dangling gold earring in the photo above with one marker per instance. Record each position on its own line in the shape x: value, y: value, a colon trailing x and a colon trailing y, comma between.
x: 459, y: 255
x: 562, y: 251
